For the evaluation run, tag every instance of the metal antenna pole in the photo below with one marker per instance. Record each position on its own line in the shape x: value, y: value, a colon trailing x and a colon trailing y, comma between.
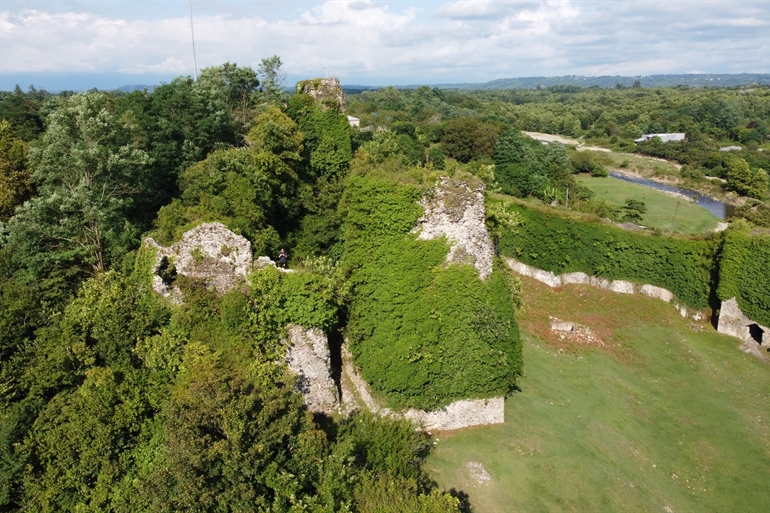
x: 675, y: 213
x: 192, y: 32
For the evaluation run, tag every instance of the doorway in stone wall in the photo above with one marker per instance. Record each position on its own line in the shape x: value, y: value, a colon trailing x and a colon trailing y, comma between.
x: 756, y: 333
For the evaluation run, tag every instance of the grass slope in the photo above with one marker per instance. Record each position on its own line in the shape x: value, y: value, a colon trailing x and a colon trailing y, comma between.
x: 690, y: 218
x: 657, y: 417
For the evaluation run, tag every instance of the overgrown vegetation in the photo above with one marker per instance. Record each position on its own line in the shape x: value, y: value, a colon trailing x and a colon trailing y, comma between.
x: 424, y: 333
x: 744, y: 265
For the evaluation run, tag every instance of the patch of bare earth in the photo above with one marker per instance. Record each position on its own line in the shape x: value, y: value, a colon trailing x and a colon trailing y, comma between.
x: 596, y: 316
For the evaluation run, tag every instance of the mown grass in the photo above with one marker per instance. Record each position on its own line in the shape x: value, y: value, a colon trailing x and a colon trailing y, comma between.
x: 690, y: 218
x: 661, y: 418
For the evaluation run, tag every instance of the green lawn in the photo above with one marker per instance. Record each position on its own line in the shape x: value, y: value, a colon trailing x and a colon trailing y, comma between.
x: 662, y: 418
x: 690, y: 218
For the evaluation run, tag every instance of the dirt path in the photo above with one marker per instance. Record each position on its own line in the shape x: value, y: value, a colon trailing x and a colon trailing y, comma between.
x: 563, y: 140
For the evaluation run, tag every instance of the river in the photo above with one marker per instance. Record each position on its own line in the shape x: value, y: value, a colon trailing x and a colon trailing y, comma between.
x: 718, y: 208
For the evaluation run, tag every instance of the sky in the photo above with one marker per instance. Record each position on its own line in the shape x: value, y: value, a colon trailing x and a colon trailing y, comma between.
x: 60, y: 44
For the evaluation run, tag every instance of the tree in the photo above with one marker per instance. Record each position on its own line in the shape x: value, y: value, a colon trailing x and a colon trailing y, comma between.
x: 744, y: 180
x: 237, y: 85
x: 86, y: 170
x: 633, y: 210
x: 467, y: 138
x: 273, y: 79
x: 15, y: 179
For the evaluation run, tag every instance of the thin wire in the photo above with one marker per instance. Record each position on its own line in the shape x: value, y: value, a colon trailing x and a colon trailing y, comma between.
x: 192, y: 32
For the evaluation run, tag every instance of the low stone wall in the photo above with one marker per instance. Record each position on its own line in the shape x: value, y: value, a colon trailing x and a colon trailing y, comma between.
x: 309, y: 358
x: 457, y: 415
x: 733, y: 322
x: 619, y: 286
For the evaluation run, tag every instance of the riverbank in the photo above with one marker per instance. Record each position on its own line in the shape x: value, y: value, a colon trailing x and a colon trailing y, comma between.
x: 664, y: 211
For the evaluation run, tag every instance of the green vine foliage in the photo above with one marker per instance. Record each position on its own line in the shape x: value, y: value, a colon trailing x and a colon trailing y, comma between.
x: 744, y: 272
x: 424, y: 333
x: 565, y: 243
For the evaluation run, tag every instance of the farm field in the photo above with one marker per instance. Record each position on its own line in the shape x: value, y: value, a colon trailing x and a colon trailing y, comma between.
x: 690, y: 219
x: 648, y: 412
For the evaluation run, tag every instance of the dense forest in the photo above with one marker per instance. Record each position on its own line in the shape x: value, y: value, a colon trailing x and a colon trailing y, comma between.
x: 483, y: 128
x: 114, y: 399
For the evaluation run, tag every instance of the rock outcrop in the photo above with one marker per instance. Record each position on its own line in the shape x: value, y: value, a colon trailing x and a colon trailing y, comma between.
x: 456, y: 415
x: 327, y: 92
x: 309, y: 358
x: 733, y: 322
x: 209, y: 252
x: 456, y: 212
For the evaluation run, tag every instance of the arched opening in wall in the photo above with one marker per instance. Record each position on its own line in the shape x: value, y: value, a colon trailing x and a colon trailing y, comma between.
x: 756, y: 333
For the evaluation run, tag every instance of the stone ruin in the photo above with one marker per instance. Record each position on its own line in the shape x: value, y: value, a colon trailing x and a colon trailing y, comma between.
x: 456, y: 212
x: 309, y: 358
x: 209, y: 252
x: 223, y: 260
x: 733, y: 322
x: 618, y: 286
x: 327, y: 92
x: 456, y: 415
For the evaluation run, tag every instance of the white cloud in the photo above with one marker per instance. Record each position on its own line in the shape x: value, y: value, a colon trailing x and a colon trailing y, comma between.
x: 368, y: 41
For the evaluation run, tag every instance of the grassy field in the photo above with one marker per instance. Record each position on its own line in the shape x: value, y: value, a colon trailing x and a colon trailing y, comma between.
x: 651, y: 413
x: 690, y: 218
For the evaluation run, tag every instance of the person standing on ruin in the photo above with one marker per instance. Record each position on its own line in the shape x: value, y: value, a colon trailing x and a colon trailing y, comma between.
x: 283, y: 258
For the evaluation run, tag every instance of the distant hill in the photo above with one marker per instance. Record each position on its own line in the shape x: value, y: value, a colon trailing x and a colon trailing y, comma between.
x: 136, y: 87
x: 605, y: 81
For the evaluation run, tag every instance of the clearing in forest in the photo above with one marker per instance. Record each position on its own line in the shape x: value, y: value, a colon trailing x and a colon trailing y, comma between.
x: 690, y: 218
x: 664, y: 415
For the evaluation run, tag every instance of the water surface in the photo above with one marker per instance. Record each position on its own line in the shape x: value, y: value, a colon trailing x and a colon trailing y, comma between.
x: 718, y: 208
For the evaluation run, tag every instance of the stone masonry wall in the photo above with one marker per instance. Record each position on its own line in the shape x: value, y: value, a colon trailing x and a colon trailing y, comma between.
x: 457, y: 212
x: 619, y: 286
x: 309, y: 358
x: 733, y: 322
x: 457, y: 415
x: 210, y: 252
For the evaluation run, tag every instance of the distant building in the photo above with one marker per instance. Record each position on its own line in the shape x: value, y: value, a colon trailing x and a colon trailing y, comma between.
x: 354, y: 121
x: 730, y: 148
x: 663, y: 137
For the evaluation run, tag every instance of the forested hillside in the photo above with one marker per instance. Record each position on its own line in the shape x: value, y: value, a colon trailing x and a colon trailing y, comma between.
x: 113, y: 398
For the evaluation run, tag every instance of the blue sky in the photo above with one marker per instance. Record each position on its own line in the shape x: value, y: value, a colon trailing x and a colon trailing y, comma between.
x: 60, y: 44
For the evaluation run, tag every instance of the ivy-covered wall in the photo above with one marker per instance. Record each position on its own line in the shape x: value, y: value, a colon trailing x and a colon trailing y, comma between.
x: 744, y: 272
x: 570, y: 243
x: 424, y: 333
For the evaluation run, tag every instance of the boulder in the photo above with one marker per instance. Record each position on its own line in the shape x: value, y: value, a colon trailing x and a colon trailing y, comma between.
x: 656, y: 293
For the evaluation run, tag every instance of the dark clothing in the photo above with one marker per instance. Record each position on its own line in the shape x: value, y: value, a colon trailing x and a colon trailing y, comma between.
x: 282, y: 259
